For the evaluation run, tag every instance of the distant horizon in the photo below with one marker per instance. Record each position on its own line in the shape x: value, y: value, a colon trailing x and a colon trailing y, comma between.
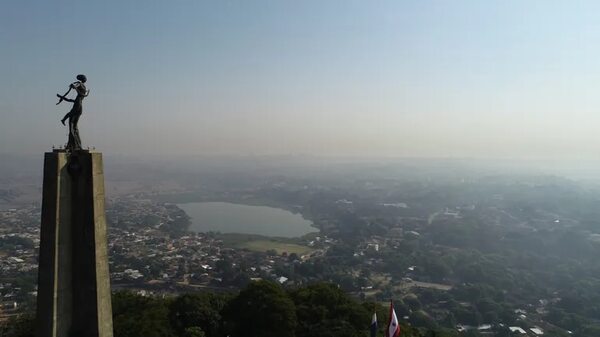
x: 352, y: 157
x: 577, y: 170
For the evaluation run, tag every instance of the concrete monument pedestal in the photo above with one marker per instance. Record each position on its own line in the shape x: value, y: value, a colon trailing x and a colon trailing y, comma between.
x: 74, y: 297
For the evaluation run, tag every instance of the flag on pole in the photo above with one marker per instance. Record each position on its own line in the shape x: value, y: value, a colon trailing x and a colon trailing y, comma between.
x: 393, y: 328
x: 374, y: 325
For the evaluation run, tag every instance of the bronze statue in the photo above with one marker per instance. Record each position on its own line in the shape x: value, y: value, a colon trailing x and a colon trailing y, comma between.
x: 73, y: 115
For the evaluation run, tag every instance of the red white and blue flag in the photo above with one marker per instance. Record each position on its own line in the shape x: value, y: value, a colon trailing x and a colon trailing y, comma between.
x: 374, y: 325
x: 393, y: 328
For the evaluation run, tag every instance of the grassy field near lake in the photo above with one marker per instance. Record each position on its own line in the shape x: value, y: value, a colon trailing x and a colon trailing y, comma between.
x: 279, y: 247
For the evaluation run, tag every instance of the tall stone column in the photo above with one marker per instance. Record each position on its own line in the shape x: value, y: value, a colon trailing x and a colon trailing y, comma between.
x: 74, y: 297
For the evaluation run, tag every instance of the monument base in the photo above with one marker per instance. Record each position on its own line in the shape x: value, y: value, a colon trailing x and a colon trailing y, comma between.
x: 74, y: 297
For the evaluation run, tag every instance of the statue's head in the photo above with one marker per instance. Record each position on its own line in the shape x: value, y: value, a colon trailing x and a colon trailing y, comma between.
x: 81, y: 78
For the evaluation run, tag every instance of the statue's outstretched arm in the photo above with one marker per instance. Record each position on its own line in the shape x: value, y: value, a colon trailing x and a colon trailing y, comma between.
x: 63, y: 98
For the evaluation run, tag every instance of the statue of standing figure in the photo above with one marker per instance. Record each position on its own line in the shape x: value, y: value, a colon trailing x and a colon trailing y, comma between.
x: 74, y: 142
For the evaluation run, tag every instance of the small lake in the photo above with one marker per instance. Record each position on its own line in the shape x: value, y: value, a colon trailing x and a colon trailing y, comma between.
x: 226, y: 217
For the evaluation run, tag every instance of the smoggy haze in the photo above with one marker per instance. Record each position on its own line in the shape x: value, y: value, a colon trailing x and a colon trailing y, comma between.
x: 509, y: 79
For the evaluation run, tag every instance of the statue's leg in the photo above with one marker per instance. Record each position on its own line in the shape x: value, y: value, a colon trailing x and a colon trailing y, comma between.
x: 71, y: 142
x: 75, y: 132
x: 67, y: 115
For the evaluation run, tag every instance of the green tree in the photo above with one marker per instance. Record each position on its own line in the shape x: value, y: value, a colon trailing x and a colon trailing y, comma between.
x: 193, y: 331
x: 468, y: 315
x: 502, y: 331
x: 324, y: 310
x: 421, y: 319
x: 262, y: 309
x: 19, y: 326
x: 138, y: 316
x: 197, y: 310
x: 412, y: 301
x: 449, y: 320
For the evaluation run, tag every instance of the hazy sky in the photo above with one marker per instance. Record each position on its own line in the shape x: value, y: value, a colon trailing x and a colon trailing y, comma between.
x: 393, y: 78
